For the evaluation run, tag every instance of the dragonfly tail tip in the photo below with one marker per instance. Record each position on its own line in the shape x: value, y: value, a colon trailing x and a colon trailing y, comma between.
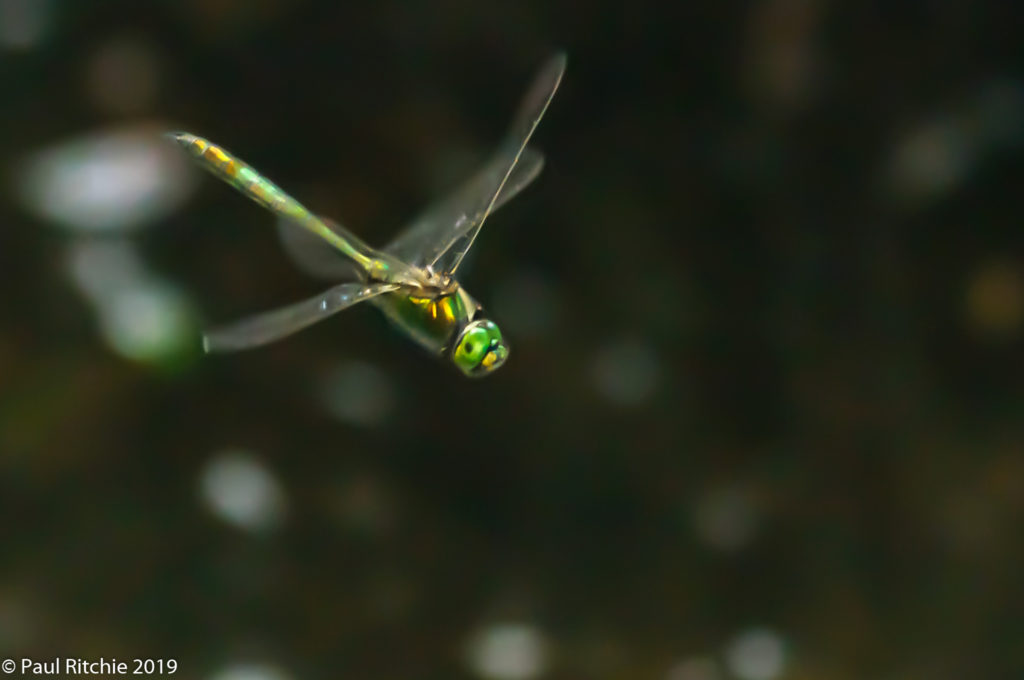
x: 182, y: 138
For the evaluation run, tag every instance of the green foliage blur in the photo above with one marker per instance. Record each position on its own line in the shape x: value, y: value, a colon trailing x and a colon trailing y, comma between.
x: 763, y: 415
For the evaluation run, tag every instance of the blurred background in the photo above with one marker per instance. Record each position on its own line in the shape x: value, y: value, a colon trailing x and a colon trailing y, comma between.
x: 762, y: 417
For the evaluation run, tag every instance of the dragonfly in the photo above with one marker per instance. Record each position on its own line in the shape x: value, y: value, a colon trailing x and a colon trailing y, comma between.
x: 412, y: 279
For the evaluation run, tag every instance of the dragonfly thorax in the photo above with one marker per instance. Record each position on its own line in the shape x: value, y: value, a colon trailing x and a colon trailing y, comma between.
x: 415, y: 281
x: 445, y: 284
x: 449, y: 324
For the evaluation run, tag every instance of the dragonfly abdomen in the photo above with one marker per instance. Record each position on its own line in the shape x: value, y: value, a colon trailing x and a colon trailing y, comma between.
x: 239, y: 175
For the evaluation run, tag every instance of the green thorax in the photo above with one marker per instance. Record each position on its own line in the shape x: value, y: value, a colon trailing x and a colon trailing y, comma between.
x: 434, y: 323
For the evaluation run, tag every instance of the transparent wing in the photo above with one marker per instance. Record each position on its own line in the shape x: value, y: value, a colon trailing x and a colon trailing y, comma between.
x: 312, y: 254
x: 273, y: 325
x: 442, y: 236
x: 375, y: 264
x: 426, y: 238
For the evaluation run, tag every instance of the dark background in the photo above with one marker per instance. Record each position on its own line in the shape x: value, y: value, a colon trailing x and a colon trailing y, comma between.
x: 762, y: 416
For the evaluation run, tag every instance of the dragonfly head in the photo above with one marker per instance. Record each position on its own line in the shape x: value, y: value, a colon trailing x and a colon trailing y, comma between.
x: 479, y: 348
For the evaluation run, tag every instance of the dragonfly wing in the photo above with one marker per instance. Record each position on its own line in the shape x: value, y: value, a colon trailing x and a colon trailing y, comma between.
x: 312, y: 254
x: 427, y: 237
x: 273, y: 325
x: 375, y: 265
x: 454, y: 224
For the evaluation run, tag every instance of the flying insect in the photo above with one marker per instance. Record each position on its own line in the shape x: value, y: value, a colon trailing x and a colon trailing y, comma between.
x: 411, y: 280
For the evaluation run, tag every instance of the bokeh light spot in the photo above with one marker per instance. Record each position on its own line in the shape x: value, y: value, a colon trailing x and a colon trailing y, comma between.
x: 105, y: 181
x: 147, y: 323
x: 725, y: 518
x: 240, y: 490
x: 995, y: 300
x: 626, y: 372
x: 23, y: 23
x: 756, y: 654
x: 251, y: 671
x: 930, y: 160
x: 142, y: 317
x: 102, y: 267
x: 782, y: 58
x: 358, y: 393
x: 696, y: 668
x: 508, y: 651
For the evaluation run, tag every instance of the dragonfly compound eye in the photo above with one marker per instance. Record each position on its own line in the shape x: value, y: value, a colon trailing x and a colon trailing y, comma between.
x: 480, y: 348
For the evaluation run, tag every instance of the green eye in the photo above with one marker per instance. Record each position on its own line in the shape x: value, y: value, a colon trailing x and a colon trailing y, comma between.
x: 474, y: 343
x: 480, y: 349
